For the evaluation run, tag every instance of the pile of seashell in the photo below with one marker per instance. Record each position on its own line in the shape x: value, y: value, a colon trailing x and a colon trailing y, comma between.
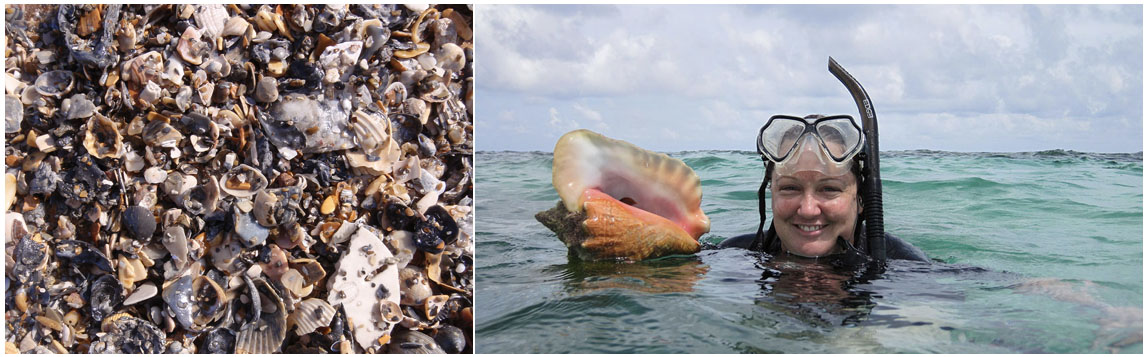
x: 238, y: 178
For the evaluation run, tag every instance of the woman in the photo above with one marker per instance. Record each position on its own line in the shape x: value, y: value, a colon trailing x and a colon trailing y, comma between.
x: 817, y: 205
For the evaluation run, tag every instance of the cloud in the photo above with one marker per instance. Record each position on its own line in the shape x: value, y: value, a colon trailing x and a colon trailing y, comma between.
x: 715, y: 71
x: 587, y: 112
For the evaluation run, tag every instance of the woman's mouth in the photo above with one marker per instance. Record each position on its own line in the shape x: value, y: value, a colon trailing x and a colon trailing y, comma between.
x: 810, y: 228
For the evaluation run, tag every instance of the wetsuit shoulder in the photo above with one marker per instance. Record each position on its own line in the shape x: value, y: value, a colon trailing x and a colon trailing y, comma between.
x: 897, y: 248
x: 743, y: 241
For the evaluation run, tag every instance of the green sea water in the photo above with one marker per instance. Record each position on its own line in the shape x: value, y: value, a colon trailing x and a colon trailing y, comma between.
x: 1036, y: 252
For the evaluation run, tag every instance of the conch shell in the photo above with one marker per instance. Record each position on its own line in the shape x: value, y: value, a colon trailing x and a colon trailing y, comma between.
x: 620, y: 201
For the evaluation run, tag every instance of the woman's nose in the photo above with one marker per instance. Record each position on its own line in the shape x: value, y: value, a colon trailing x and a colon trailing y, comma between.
x: 810, y: 207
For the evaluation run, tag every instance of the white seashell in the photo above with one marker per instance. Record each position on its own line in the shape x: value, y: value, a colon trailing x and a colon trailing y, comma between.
x: 351, y: 286
x: 150, y: 94
x: 155, y: 174
x: 211, y: 18
x: 417, y: 8
x: 236, y: 26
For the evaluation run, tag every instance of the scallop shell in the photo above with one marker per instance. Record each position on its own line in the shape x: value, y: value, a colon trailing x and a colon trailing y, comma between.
x: 371, y: 132
x: 266, y: 333
x: 311, y: 314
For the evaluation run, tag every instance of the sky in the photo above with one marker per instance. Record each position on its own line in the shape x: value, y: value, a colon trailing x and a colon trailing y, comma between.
x: 699, y: 77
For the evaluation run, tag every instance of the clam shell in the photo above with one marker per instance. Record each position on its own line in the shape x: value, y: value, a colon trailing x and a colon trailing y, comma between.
x: 139, y: 222
x: 243, y: 181
x: 54, y: 83
x: 413, y: 342
x: 235, y: 26
x: 158, y: 133
x: 105, y: 297
x: 177, y: 293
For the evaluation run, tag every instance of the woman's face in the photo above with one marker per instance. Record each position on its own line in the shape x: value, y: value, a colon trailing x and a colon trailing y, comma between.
x: 811, y: 210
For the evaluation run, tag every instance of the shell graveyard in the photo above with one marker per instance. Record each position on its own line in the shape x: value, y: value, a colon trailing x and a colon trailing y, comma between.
x: 238, y: 179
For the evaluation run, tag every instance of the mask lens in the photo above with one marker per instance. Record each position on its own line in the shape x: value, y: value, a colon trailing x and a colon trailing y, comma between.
x: 780, y: 136
x: 841, y: 137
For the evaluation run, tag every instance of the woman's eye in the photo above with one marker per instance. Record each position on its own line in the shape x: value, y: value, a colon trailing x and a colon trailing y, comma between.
x: 789, y: 188
x: 831, y: 189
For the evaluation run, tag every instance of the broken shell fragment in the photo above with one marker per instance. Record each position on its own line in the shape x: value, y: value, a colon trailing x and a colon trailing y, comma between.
x: 102, y: 138
x: 249, y: 232
x: 358, y: 285
x: 310, y: 315
x: 142, y: 293
x: 158, y: 133
x: 416, y: 287
x: 308, y: 125
x: 235, y: 26
x: 155, y: 175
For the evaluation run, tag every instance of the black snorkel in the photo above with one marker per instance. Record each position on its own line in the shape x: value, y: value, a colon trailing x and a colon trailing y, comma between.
x: 874, y: 215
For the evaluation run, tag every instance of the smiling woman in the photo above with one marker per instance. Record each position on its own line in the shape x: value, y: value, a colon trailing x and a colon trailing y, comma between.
x: 622, y: 264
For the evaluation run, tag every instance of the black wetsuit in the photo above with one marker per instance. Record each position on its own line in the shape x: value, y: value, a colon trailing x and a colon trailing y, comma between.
x: 895, y: 248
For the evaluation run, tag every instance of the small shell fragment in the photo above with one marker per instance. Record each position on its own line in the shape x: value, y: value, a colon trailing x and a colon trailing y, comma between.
x: 310, y: 315
x: 143, y: 292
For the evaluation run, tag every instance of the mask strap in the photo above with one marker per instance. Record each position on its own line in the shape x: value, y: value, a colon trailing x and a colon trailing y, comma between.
x: 759, y: 239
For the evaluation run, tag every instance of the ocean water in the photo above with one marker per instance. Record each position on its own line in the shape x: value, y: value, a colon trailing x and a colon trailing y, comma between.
x: 1036, y: 252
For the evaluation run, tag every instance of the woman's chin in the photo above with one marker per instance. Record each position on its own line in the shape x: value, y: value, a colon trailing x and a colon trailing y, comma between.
x: 814, y: 247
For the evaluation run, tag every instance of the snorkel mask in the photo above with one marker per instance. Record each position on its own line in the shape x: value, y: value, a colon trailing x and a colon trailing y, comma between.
x: 828, y: 145
x: 814, y: 143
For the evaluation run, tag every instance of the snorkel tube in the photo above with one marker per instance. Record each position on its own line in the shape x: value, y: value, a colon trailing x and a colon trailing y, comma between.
x: 874, y: 215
